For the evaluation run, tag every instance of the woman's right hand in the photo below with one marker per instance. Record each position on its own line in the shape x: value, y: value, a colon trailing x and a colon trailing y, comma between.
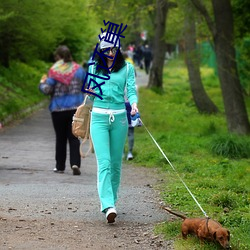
x: 134, y: 109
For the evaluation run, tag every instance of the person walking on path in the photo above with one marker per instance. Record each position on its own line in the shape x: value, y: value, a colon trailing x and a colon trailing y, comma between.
x: 147, y: 58
x: 63, y: 83
x: 131, y: 131
x: 109, y: 125
x: 128, y: 109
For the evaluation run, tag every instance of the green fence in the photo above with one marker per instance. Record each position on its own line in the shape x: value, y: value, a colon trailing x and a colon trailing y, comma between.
x: 208, y: 58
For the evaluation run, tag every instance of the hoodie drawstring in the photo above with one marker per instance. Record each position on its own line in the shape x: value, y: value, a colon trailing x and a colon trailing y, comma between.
x: 111, y: 117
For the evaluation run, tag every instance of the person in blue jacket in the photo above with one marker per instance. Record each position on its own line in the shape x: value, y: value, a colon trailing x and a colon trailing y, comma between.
x: 63, y: 83
x: 109, y: 124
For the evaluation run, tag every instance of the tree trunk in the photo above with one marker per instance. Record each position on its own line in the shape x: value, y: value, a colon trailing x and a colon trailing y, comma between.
x: 223, y: 38
x: 235, y: 109
x: 159, y: 48
x: 201, y: 99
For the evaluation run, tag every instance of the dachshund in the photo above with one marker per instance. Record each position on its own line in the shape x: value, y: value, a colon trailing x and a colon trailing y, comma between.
x: 204, y: 229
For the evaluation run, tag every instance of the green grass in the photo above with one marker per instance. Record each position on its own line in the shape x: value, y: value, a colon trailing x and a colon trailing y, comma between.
x: 214, y: 164
x: 19, y: 87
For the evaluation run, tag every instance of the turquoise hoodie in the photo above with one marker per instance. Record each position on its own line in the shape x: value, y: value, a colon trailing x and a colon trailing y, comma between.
x: 113, y: 89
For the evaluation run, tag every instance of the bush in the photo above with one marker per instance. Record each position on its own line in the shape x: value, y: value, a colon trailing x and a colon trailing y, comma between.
x: 224, y: 200
x: 231, y: 146
x: 19, y: 87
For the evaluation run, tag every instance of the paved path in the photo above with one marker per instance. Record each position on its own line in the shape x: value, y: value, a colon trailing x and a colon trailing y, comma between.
x: 141, y: 78
x: 31, y: 191
x: 26, y: 163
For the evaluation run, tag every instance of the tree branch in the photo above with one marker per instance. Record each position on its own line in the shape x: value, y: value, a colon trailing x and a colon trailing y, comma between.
x: 202, y: 9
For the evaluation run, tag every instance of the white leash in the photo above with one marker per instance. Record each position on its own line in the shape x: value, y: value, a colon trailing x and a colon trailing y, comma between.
x: 174, y: 169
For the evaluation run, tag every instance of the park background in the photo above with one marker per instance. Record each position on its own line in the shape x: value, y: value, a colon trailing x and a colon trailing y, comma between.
x: 199, y: 135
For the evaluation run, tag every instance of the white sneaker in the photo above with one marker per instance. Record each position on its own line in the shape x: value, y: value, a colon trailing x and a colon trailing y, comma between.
x: 111, y: 214
x: 130, y: 156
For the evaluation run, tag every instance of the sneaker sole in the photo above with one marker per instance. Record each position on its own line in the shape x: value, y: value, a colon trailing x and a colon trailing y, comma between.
x: 111, y: 217
x: 58, y: 171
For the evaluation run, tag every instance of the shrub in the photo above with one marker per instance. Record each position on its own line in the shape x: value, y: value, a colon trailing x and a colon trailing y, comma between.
x: 223, y: 200
x: 231, y: 146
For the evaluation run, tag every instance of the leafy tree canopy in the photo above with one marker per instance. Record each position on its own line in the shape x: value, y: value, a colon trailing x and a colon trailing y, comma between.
x: 33, y: 32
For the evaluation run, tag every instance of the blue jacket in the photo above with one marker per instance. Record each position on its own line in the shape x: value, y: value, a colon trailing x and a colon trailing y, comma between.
x: 64, y: 97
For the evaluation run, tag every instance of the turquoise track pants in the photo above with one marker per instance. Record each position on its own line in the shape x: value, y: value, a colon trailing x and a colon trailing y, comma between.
x: 108, y: 136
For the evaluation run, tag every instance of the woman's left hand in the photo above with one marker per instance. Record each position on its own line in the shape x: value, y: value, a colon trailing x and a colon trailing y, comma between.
x: 89, y: 91
x: 134, y: 109
x: 43, y: 79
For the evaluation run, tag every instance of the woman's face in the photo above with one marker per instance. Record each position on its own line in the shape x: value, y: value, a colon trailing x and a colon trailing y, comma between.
x: 110, y: 52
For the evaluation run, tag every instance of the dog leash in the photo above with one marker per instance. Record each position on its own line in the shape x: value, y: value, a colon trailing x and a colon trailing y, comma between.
x: 174, y: 169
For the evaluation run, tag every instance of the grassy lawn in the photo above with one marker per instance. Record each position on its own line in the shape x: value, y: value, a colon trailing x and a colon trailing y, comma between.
x: 214, y: 164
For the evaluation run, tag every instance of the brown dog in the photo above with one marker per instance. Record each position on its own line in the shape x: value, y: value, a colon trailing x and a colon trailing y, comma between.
x: 204, y: 229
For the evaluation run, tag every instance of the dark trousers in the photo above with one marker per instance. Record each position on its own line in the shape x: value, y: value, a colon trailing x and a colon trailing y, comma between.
x: 147, y: 65
x: 62, y: 122
x: 130, y: 129
x: 131, y: 139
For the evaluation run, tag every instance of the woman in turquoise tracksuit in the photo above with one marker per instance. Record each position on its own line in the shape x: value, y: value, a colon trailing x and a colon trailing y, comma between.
x: 109, y: 123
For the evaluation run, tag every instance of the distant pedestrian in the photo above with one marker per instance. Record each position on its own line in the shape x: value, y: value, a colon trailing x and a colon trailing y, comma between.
x: 139, y: 56
x: 147, y: 54
x: 63, y: 84
x: 128, y: 109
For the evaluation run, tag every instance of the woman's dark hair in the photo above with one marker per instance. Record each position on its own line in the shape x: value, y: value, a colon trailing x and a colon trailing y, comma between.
x: 119, y: 63
x: 63, y: 52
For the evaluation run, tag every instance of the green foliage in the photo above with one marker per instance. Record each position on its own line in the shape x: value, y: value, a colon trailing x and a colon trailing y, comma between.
x: 139, y: 16
x: 174, y: 25
x: 241, y: 17
x: 176, y: 18
x: 231, y: 146
x: 219, y: 183
x: 19, y: 87
x: 170, y: 230
x: 223, y: 200
x: 243, y: 59
x: 210, y: 129
x: 41, y: 30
